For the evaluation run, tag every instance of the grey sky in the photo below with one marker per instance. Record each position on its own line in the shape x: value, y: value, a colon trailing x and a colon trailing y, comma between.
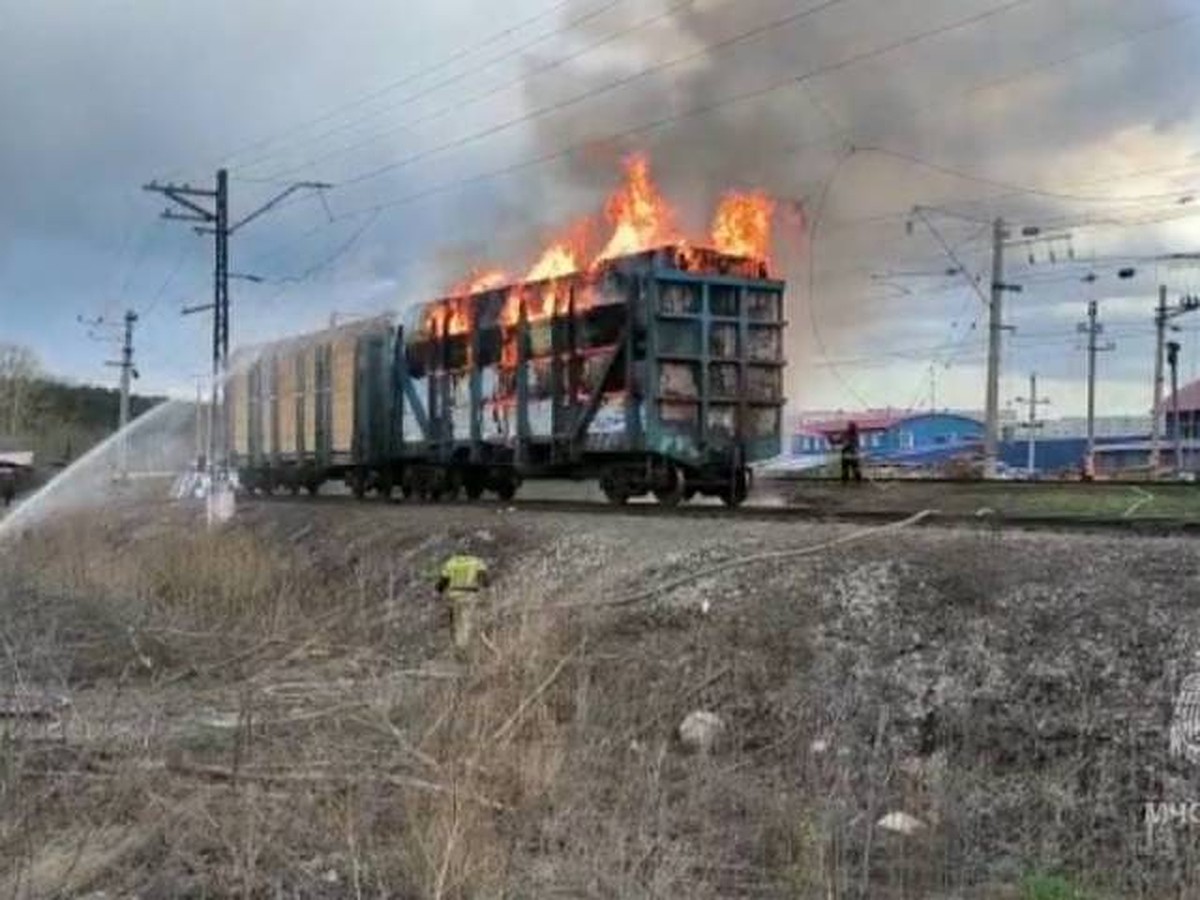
x: 1072, y: 96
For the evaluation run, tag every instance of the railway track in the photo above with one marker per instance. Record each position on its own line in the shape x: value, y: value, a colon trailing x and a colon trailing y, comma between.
x: 1149, y: 526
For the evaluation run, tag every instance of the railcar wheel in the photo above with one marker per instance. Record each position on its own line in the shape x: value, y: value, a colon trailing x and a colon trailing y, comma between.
x: 616, y: 488
x: 506, y: 489
x: 408, y: 484
x: 734, y: 494
x: 384, y: 487
x: 616, y: 495
x: 673, y: 492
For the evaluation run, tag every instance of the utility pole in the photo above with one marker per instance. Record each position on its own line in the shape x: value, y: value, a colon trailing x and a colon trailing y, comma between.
x: 128, y: 372
x: 1162, y: 321
x: 214, y: 219
x: 991, y: 432
x: 996, y: 328
x: 200, y: 437
x: 1032, y: 423
x: 1173, y: 362
x: 1160, y: 328
x: 1092, y: 329
x: 994, y: 300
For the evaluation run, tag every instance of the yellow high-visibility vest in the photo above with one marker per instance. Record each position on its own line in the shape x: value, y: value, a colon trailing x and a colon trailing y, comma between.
x: 464, y: 573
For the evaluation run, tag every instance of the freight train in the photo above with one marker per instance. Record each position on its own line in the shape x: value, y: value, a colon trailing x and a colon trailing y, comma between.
x: 657, y: 372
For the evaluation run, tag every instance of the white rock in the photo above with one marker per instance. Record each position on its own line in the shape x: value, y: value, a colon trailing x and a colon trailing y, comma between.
x: 700, y: 731
x: 818, y: 747
x: 900, y: 823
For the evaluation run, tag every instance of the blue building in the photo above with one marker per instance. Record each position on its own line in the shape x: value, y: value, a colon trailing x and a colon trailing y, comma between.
x: 1060, y: 454
x: 890, y: 437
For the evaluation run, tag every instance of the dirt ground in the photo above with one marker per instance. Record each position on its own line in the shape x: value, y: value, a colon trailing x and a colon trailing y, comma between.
x: 274, y: 710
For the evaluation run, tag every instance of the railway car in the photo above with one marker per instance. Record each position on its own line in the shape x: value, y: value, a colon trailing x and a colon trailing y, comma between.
x: 311, y: 408
x: 658, y: 372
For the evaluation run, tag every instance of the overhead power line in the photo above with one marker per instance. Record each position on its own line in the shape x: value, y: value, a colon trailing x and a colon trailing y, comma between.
x: 945, y: 108
x: 692, y: 112
x: 755, y: 94
x: 709, y: 49
x: 748, y: 96
x: 703, y: 109
x: 457, y: 105
x: 1016, y: 188
x: 404, y: 81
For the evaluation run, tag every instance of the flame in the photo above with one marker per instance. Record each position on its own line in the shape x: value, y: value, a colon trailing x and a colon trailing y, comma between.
x: 448, y: 317
x: 640, y: 216
x: 480, y: 280
x: 562, y: 255
x: 540, y: 304
x: 510, y: 312
x: 641, y: 219
x: 557, y: 260
x: 742, y: 225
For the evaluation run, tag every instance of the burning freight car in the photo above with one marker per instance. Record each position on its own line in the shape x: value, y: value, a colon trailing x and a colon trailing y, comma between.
x: 657, y: 367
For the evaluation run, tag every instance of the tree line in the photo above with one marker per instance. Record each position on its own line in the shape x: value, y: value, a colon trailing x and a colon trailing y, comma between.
x: 56, y: 420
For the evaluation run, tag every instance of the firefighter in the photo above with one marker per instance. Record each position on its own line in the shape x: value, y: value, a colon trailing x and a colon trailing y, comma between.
x: 461, y: 580
x: 850, y: 460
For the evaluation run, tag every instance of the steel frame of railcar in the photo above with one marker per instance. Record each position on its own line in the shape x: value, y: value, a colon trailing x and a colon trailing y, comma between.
x: 435, y: 462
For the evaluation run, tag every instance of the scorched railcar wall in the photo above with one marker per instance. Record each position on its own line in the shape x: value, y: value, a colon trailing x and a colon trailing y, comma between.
x: 661, y: 371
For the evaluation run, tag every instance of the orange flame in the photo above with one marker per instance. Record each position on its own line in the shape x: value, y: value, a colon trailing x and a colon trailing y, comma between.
x: 510, y: 313
x: 557, y: 260
x: 641, y: 217
x: 480, y: 280
x: 742, y: 225
x: 448, y: 317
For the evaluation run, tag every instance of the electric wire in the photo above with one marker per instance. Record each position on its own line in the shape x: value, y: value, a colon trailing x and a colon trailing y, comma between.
x: 403, y: 81
x: 458, y: 105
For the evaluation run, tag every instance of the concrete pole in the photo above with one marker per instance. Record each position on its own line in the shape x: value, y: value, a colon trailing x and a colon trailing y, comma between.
x: 126, y: 376
x: 1032, y: 424
x: 1031, y: 463
x: 199, y: 419
x: 1091, y: 386
x: 1173, y: 362
x: 1156, y: 411
x: 991, y: 433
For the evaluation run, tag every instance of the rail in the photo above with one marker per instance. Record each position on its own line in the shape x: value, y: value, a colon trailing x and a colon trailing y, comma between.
x: 932, y: 518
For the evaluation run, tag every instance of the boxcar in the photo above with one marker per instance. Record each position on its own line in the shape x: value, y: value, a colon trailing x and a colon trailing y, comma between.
x: 307, y: 409
x: 659, y: 372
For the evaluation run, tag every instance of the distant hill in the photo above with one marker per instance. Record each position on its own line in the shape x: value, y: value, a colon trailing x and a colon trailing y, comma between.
x: 60, y: 422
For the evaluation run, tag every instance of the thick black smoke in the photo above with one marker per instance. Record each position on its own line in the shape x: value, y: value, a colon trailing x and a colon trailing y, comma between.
x: 1017, y: 96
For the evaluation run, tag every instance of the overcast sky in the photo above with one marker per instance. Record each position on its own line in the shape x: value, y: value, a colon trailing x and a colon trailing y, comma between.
x: 457, y: 134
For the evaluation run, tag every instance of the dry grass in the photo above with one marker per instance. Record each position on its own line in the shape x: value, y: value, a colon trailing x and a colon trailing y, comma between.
x: 243, y: 724
x: 258, y: 712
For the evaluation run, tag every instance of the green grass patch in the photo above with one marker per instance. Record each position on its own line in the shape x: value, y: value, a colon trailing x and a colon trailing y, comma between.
x: 1051, y: 887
